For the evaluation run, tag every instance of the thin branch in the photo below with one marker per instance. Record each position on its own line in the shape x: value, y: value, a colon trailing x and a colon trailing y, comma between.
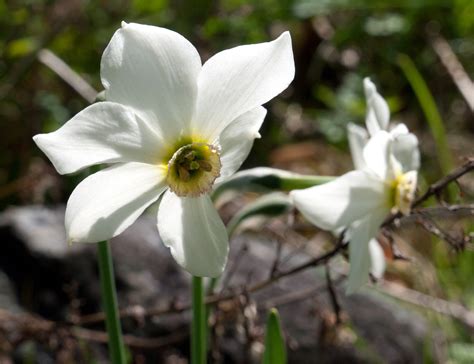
x: 130, y: 340
x: 72, y: 78
x: 276, y: 261
x: 333, y: 295
x: 429, y: 225
x: 311, y: 263
x: 26, y: 325
x: 452, y: 309
x: 214, y: 299
x: 436, y: 188
x: 455, y: 69
x: 301, y: 295
x: 440, y: 212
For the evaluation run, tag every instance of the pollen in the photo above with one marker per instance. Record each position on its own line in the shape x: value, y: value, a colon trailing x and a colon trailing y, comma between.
x: 404, y: 187
x: 192, y: 169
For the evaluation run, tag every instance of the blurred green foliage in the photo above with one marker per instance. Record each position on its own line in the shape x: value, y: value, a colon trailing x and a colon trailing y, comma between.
x: 336, y: 43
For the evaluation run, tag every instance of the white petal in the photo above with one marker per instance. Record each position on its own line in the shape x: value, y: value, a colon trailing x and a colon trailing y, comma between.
x: 377, y: 155
x: 377, y: 108
x: 196, y: 235
x: 377, y: 259
x: 104, y: 132
x: 371, y: 122
x: 399, y: 129
x: 238, y: 80
x: 109, y: 201
x: 236, y: 140
x: 360, y: 233
x: 155, y: 71
x: 405, y: 150
x: 358, y: 138
x: 338, y: 203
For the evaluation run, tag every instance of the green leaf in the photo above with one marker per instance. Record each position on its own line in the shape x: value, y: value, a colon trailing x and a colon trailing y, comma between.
x: 275, y: 351
x: 273, y: 204
x: 263, y: 179
x: 432, y: 115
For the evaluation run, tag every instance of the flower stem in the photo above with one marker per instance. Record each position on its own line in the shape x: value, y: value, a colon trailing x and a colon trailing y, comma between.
x: 109, y: 302
x: 199, y: 324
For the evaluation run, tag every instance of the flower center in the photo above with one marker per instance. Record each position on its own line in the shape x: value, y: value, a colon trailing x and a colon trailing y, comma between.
x: 404, y: 187
x: 192, y: 169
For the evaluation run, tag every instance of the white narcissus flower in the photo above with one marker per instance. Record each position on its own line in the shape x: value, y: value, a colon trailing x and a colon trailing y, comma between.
x: 173, y: 127
x: 404, y: 149
x: 405, y: 144
x: 360, y: 201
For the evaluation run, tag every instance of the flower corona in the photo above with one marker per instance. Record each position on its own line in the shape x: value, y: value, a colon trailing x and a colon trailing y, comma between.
x: 192, y: 169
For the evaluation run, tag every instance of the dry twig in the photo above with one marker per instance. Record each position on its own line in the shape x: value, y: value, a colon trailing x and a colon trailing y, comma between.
x: 438, y: 305
x: 455, y: 69
x: 436, y: 188
x: 72, y: 78
x: 333, y: 295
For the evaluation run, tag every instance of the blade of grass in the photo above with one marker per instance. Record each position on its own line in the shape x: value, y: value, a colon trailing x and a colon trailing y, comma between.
x: 432, y: 115
x: 275, y: 351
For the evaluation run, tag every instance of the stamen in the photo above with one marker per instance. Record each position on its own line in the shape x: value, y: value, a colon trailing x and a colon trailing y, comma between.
x: 205, y: 165
x: 192, y: 169
x: 194, y: 165
x: 183, y: 173
x: 404, y: 192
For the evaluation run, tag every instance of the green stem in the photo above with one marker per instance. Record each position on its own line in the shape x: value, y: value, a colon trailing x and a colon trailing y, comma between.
x: 211, y: 286
x: 109, y: 302
x: 199, y: 324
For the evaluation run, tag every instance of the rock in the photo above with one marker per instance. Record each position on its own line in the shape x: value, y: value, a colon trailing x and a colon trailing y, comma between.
x: 40, y: 264
x: 38, y: 259
x: 397, y: 335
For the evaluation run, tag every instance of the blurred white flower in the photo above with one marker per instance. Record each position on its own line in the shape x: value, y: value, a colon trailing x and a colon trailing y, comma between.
x: 173, y: 127
x: 405, y: 144
x: 360, y: 201
x: 404, y: 149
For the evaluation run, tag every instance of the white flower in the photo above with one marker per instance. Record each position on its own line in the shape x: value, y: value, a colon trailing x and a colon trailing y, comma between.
x: 360, y: 200
x: 404, y: 149
x: 405, y: 144
x: 173, y: 127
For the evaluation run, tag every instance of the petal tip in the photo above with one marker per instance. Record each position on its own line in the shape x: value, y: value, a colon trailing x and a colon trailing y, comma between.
x: 285, y: 40
x: 369, y: 87
x: 37, y: 138
x: 293, y: 195
x: 123, y: 24
x: 286, y: 34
